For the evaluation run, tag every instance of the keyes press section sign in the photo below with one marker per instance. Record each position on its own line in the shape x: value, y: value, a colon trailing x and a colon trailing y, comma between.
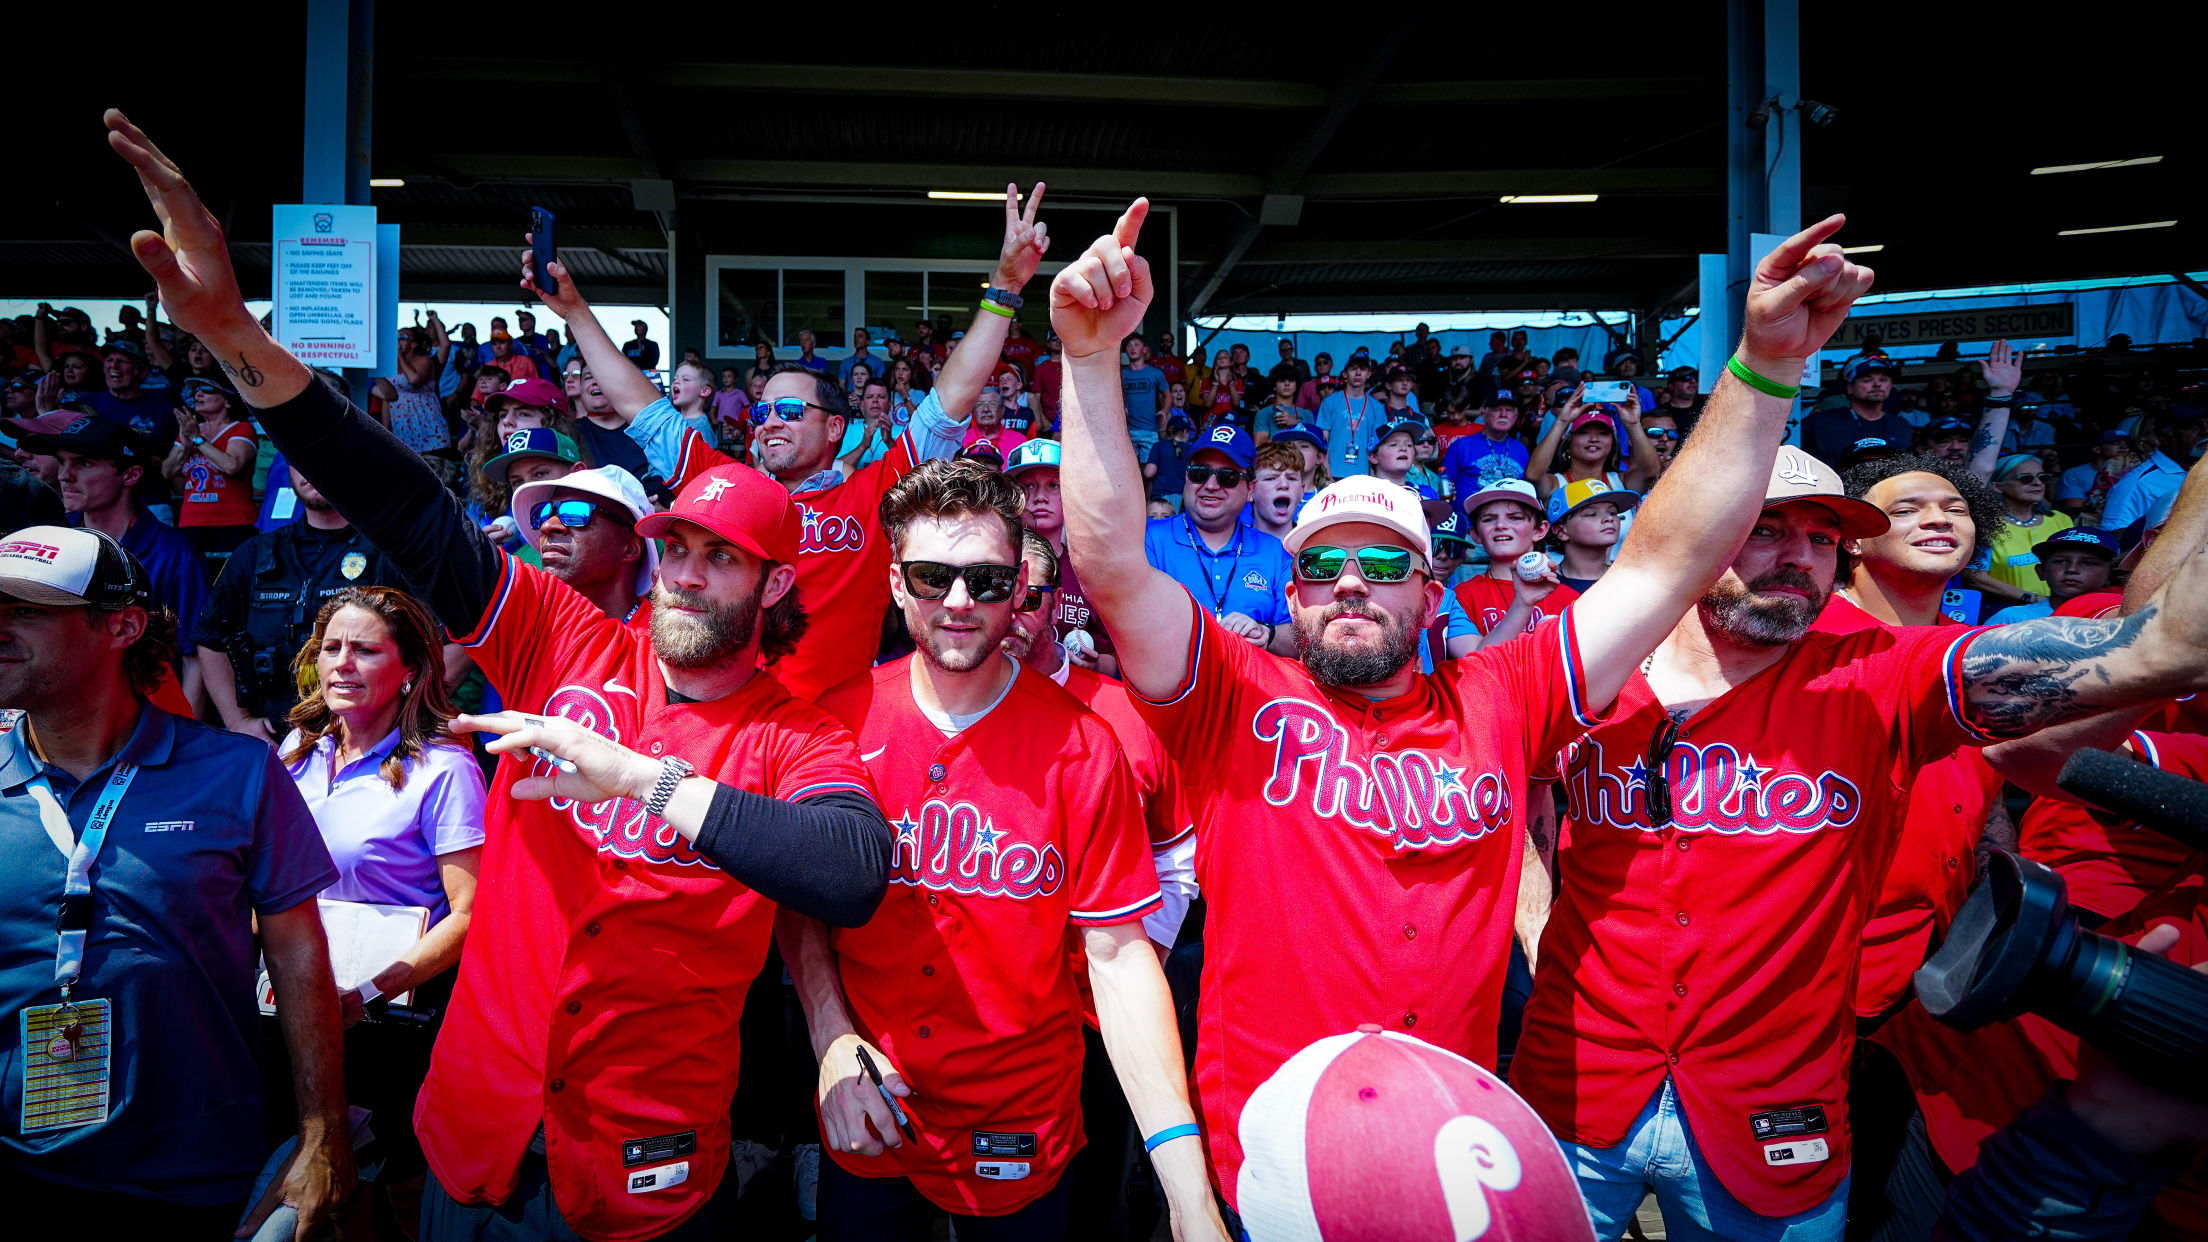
x: 1975, y: 323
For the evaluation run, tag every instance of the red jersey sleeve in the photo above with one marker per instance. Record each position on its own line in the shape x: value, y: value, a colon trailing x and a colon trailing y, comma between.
x: 1918, y: 672
x: 697, y: 456
x: 1190, y: 722
x: 1544, y: 685
x: 820, y: 758
x: 536, y: 623
x: 1108, y: 852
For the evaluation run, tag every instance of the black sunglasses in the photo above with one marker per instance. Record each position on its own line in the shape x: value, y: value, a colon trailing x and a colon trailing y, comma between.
x: 573, y: 514
x: 1228, y: 476
x: 987, y: 584
x: 788, y: 409
x: 1035, y: 598
x: 1658, y: 781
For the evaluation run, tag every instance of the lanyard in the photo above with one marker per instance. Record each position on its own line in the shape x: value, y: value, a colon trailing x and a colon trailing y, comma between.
x: 1196, y: 543
x: 76, y: 889
x: 1357, y: 420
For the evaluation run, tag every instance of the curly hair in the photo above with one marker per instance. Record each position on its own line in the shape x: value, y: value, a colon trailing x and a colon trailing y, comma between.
x: 1985, y: 503
x: 781, y: 624
x: 954, y: 487
x: 424, y: 709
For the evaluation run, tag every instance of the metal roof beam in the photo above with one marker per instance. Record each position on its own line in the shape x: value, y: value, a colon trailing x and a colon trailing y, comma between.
x: 1477, y: 250
x: 1539, y: 90
x: 507, y: 166
x: 1347, y: 302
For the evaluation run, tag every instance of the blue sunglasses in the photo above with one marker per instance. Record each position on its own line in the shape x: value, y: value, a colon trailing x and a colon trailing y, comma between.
x: 788, y: 409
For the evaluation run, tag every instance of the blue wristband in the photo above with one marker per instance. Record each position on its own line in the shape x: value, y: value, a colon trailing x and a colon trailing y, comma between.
x: 1168, y: 1134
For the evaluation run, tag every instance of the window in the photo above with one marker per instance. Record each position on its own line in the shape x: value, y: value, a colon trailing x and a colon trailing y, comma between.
x: 813, y: 299
x: 750, y: 304
x: 954, y: 294
x: 895, y: 300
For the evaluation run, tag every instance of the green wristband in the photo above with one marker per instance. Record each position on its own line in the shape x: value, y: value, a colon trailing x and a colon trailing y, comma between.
x: 995, y: 309
x: 1768, y: 387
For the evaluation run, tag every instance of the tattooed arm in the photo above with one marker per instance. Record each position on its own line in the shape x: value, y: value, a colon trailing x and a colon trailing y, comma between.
x: 1998, y: 836
x: 2023, y: 677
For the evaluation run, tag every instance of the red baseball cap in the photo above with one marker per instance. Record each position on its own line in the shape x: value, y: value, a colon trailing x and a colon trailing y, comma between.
x: 1591, y: 418
x: 740, y: 505
x: 1377, y: 1135
x: 535, y: 393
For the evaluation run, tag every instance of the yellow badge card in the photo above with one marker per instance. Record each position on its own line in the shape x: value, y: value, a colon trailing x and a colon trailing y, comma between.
x: 66, y: 1064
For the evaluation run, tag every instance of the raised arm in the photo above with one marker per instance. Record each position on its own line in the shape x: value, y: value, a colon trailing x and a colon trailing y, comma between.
x: 624, y: 385
x: 975, y: 360
x: 1698, y: 515
x: 2186, y: 529
x: 157, y: 354
x: 2003, y: 373
x: 1540, y: 462
x: 1642, y: 464
x: 1094, y: 303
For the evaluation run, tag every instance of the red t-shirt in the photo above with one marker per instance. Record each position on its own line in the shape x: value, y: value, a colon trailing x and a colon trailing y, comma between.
x: 602, y: 985
x: 1049, y: 376
x: 1705, y: 950
x: 1019, y: 827
x: 1021, y: 352
x: 212, y: 498
x: 1487, y: 598
x: 1359, y: 859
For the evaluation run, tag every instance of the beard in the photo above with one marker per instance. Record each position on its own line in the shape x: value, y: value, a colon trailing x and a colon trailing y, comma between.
x: 1764, y: 621
x: 1336, y: 663
x: 718, y: 632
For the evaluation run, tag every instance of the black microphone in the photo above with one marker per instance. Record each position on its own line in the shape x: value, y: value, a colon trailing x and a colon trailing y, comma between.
x: 2171, y: 805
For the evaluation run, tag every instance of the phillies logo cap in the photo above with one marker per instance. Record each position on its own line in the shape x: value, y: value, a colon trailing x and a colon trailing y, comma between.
x: 1377, y: 1135
x: 537, y: 394
x: 67, y: 566
x: 1796, y: 476
x: 740, y: 505
x: 1365, y: 498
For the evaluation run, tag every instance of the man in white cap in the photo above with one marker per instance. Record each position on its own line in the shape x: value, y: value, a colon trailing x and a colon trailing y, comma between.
x: 583, y: 526
x: 1732, y: 818
x: 1358, y: 822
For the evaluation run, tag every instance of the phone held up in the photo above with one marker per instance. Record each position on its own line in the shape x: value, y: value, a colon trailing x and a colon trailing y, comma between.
x: 541, y: 225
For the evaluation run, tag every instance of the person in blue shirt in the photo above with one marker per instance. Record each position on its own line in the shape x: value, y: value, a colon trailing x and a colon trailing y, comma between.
x: 1349, y: 418
x: 2072, y: 562
x: 1476, y: 462
x: 1238, y: 571
x: 161, y: 841
x: 1166, y: 468
x: 143, y: 410
x: 2157, y: 478
x: 1146, y: 390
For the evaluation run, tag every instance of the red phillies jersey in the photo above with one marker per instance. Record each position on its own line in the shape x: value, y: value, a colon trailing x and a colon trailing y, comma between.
x: 1018, y: 827
x: 607, y: 964
x: 2108, y: 864
x: 842, y: 563
x: 2092, y: 605
x: 1718, y: 949
x: 1486, y: 599
x: 1359, y: 859
x: 1932, y: 865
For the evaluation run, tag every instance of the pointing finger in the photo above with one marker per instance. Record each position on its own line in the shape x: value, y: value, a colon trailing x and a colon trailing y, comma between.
x: 1129, y: 228
x: 1791, y: 253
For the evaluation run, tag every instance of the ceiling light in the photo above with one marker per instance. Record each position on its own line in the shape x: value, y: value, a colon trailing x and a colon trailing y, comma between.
x: 2118, y: 228
x: 1871, y: 249
x: 386, y: 183
x: 1550, y: 198
x: 2063, y: 168
x: 970, y: 196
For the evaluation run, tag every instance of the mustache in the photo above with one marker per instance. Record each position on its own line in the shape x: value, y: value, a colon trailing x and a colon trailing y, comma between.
x: 1784, y: 577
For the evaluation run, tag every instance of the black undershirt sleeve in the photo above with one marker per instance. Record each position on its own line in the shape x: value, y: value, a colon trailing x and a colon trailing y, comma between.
x: 827, y: 857
x: 394, y: 497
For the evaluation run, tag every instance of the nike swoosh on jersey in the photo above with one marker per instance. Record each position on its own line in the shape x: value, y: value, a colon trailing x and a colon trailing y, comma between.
x: 873, y: 754
x: 613, y: 686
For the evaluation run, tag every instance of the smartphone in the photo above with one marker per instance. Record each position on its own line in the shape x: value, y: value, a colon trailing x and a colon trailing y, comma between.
x: 1613, y: 391
x: 541, y: 224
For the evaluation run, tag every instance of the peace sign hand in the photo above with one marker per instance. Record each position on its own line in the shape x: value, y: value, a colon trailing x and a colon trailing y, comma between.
x: 1025, y: 241
x: 1800, y: 294
x: 1099, y: 298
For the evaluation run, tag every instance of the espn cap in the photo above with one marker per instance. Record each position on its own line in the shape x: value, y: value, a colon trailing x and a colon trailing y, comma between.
x: 739, y: 504
x: 1378, y: 1135
x: 606, y: 482
x: 67, y: 566
x: 1365, y: 498
x: 1795, y: 475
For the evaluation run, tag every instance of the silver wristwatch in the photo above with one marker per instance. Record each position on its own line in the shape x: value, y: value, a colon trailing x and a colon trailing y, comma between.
x: 672, y: 772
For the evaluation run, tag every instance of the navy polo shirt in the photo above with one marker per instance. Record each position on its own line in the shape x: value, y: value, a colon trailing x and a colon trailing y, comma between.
x: 211, y: 831
x: 1250, y: 575
x: 178, y: 576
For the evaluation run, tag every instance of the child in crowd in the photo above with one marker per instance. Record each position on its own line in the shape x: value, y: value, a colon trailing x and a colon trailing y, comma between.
x: 1584, y: 523
x: 2073, y: 562
x: 1394, y: 457
x: 1508, y: 522
x: 1159, y: 507
x: 1277, y: 492
x: 1167, y: 470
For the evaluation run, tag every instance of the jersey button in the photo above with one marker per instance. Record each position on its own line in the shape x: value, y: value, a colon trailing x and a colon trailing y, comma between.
x: 1684, y: 845
x: 657, y: 747
x: 936, y: 772
x: 1682, y: 918
x: 1410, y: 932
x: 1679, y: 988
x: 574, y: 1006
x: 1673, y: 1058
x: 923, y: 1032
x: 927, y: 970
x: 591, y: 929
x: 620, y: 864
x: 933, y: 900
x: 1410, y: 1019
x: 1952, y: 864
x: 556, y: 1086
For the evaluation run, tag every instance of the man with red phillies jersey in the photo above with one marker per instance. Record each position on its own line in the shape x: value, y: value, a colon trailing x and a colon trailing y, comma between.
x: 1016, y: 819
x: 582, y: 1078
x: 842, y: 564
x: 1344, y: 800
x: 1690, y: 1023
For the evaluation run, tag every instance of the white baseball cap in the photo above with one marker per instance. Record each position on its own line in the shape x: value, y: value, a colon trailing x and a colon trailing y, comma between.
x: 1796, y: 476
x: 66, y: 566
x: 1505, y: 489
x: 610, y: 482
x: 1365, y: 498
x: 1378, y: 1135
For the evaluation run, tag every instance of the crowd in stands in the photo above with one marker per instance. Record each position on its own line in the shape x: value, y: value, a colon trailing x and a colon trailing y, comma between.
x: 547, y: 520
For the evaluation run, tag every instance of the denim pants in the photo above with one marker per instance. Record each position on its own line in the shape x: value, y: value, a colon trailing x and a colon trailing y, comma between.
x: 1659, y: 1154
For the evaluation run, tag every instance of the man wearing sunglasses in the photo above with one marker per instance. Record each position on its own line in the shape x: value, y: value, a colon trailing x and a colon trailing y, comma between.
x: 1737, y: 810
x: 1018, y: 822
x: 1211, y: 548
x: 842, y: 565
x: 583, y: 526
x: 580, y: 1078
x: 1360, y: 834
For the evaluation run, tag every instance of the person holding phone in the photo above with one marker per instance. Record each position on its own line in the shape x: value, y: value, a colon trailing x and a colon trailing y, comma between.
x: 1588, y: 437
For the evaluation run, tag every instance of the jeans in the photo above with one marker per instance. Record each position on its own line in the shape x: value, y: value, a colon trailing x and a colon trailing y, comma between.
x: 1659, y: 1154
x: 1144, y: 442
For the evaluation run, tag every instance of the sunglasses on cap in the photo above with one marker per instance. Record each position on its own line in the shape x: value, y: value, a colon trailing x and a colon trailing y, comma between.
x: 986, y: 583
x: 788, y: 409
x: 1380, y: 563
x: 1228, y: 476
x: 573, y: 514
x: 1035, y: 598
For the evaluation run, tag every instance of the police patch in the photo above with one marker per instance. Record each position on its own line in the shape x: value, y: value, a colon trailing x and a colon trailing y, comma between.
x: 353, y: 566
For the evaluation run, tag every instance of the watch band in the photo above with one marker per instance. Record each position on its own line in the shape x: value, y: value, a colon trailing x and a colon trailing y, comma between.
x: 1003, y: 297
x: 1997, y: 402
x: 672, y: 772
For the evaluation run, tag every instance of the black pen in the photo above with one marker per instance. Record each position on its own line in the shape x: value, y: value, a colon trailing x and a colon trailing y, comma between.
x: 898, y: 1110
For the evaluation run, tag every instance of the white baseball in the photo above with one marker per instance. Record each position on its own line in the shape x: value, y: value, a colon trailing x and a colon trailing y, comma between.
x: 1532, y: 565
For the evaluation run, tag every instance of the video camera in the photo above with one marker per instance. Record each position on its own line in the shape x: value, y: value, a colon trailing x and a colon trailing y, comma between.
x: 2015, y: 946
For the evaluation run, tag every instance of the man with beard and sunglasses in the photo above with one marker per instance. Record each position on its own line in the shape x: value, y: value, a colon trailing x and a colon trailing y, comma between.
x: 1732, y: 819
x: 1358, y: 827
x: 677, y: 795
x: 842, y: 564
x: 1017, y: 822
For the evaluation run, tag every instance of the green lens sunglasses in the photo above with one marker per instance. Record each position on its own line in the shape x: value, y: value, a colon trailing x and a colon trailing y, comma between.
x: 1380, y: 563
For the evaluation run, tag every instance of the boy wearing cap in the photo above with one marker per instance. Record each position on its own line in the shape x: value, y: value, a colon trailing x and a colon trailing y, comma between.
x: 1394, y: 456
x: 1166, y: 470
x: 2072, y: 562
x: 1586, y: 520
x: 1237, y: 570
x: 1509, y: 522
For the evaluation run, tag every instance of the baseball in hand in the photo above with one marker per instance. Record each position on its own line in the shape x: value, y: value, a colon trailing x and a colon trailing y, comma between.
x: 1532, y: 565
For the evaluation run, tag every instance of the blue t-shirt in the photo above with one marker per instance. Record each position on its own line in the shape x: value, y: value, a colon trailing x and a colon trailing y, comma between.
x: 147, y: 413
x: 1171, y: 459
x: 1349, y: 427
x: 1250, y: 575
x: 211, y: 831
x: 1475, y: 462
x: 1141, y: 390
x: 173, y: 568
x: 2021, y: 612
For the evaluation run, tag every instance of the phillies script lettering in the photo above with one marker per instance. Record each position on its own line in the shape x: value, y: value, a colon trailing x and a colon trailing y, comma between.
x: 620, y: 826
x: 954, y: 848
x: 1413, y: 797
x: 829, y: 532
x: 1714, y: 788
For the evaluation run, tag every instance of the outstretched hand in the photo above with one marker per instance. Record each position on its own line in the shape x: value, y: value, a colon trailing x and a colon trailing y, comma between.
x: 1025, y: 241
x: 2003, y: 369
x: 1799, y: 296
x: 188, y: 260
x: 1099, y: 298
x: 604, y: 770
